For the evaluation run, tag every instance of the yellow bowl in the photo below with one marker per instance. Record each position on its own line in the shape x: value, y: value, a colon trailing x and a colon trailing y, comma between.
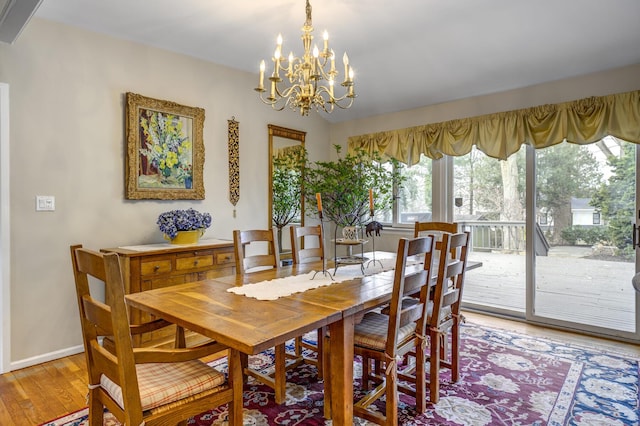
x: 186, y: 237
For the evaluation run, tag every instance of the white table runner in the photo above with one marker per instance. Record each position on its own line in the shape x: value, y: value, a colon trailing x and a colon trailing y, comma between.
x: 281, y: 287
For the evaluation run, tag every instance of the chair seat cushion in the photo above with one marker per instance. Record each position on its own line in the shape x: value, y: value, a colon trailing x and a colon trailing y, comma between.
x: 371, y: 332
x: 163, y: 383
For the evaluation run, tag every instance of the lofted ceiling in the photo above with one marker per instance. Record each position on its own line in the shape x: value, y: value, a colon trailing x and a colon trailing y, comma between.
x: 405, y: 53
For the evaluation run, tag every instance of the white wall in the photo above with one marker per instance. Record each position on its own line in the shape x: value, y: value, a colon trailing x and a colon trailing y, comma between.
x: 583, y: 217
x: 67, y: 140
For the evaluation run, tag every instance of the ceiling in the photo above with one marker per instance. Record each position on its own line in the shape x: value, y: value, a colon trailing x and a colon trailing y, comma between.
x: 405, y: 54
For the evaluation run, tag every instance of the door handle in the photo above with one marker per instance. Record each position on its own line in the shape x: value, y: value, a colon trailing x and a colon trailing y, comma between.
x: 635, y: 241
x: 635, y: 237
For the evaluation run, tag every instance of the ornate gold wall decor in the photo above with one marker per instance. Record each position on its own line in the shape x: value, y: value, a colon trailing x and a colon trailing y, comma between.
x: 234, y: 162
x: 165, y: 150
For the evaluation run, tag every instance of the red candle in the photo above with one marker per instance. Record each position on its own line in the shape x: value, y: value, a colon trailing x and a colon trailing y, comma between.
x: 371, y: 201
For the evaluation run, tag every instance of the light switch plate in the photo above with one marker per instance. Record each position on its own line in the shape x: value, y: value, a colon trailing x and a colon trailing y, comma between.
x: 45, y: 203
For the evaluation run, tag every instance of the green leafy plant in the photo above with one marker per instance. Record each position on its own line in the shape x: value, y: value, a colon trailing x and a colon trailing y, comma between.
x: 588, y: 235
x: 344, y: 185
x: 286, y: 181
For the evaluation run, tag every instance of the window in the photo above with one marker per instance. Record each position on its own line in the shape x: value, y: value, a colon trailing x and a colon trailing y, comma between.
x: 415, y: 198
x: 543, y: 218
x: 596, y: 218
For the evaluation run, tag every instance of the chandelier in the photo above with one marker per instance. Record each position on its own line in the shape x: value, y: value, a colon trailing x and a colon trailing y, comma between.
x: 307, y: 83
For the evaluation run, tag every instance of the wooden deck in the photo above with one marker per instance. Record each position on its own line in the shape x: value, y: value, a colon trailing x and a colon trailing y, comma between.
x: 569, y: 287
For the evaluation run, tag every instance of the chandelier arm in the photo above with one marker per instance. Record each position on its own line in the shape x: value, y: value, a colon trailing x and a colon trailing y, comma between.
x: 345, y: 106
x: 273, y: 104
x: 335, y: 102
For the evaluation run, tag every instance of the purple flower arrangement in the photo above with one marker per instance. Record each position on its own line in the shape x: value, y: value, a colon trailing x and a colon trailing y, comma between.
x: 182, y: 220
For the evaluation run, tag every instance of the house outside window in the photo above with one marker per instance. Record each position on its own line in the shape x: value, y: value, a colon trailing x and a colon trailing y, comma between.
x: 543, y: 219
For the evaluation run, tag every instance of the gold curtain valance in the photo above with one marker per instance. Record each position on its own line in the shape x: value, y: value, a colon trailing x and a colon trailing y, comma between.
x: 501, y: 134
x: 288, y: 152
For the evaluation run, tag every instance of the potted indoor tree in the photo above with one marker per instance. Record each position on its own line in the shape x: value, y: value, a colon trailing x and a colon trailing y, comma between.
x: 286, y: 188
x: 345, y: 186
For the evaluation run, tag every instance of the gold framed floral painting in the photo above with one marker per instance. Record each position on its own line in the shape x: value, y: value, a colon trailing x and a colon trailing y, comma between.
x: 165, y: 150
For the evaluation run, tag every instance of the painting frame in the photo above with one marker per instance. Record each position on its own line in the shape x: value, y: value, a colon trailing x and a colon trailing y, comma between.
x: 165, y: 150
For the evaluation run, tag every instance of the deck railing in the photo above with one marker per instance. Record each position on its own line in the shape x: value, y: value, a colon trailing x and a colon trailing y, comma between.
x: 503, y: 236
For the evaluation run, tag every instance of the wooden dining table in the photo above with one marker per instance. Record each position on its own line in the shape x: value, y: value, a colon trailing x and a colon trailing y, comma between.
x: 251, y: 325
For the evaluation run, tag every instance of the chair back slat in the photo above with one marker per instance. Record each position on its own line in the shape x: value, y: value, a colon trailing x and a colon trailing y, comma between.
x: 309, y: 255
x: 258, y: 260
x: 410, y: 314
x: 414, y: 282
x: 301, y: 254
x: 455, y: 267
x: 450, y: 297
x: 87, y: 264
x: 243, y: 239
x: 105, y: 362
x: 432, y: 227
x: 458, y: 240
x: 98, y: 314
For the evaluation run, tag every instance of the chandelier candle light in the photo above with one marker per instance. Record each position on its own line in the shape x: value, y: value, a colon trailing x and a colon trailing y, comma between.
x: 311, y: 84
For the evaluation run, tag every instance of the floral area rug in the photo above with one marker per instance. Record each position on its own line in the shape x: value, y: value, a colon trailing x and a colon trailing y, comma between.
x: 506, y: 379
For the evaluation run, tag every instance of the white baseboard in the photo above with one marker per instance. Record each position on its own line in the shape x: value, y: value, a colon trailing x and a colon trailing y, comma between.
x: 28, y: 362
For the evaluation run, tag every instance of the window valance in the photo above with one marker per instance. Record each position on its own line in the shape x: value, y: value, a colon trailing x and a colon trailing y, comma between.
x: 501, y: 134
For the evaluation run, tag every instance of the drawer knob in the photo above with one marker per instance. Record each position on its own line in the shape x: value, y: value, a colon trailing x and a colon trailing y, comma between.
x: 156, y: 268
x: 195, y: 263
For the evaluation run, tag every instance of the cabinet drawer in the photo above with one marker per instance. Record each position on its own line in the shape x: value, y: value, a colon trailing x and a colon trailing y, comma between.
x: 163, y: 281
x: 158, y: 266
x: 225, y: 258
x: 194, y: 262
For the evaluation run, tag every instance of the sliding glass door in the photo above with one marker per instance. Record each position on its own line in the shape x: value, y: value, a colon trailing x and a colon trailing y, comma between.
x: 585, y: 204
x: 552, y: 229
x: 489, y: 201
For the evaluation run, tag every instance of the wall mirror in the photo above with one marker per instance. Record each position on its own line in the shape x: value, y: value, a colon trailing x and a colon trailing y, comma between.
x: 286, y: 201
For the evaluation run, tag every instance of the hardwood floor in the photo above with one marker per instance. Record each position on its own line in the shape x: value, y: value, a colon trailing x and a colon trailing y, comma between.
x: 43, y: 392
x: 37, y: 394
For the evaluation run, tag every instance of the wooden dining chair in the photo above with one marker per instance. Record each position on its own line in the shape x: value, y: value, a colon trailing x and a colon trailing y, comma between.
x: 445, y: 315
x: 142, y: 328
x: 143, y: 385
x: 386, y: 339
x: 301, y: 253
x: 299, y: 236
x: 435, y: 228
x: 261, y: 258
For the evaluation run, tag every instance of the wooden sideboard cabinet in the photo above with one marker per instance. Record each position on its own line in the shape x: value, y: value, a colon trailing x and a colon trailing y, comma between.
x: 151, y: 266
